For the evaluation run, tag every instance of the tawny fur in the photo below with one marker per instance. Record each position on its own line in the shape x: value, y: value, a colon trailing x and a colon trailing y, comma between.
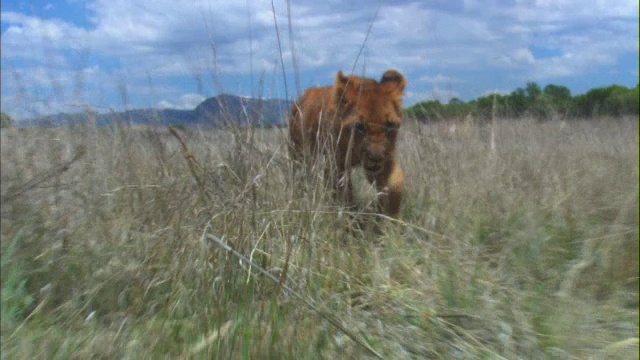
x: 356, y: 120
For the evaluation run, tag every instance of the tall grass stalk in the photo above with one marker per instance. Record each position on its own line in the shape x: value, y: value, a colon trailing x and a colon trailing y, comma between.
x: 528, y: 250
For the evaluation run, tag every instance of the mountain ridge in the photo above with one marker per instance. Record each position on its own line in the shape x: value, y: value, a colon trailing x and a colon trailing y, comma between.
x: 220, y: 110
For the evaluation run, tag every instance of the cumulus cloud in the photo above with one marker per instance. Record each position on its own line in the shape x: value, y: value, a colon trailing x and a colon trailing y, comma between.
x: 185, y: 102
x: 496, y: 92
x: 436, y: 93
x: 439, y: 79
x: 203, y: 45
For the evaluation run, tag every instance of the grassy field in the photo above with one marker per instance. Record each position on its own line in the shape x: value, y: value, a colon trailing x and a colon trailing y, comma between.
x: 521, y: 243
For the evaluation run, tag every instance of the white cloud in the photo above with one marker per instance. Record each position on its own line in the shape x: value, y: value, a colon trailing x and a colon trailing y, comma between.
x: 570, y: 11
x: 172, y: 40
x: 496, y: 91
x: 132, y: 40
x: 442, y: 95
x: 569, y: 64
x: 186, y: 102
x: 35, y: 39
x: 439, y: 79
x: 517, y: 57
x: 523, y: 56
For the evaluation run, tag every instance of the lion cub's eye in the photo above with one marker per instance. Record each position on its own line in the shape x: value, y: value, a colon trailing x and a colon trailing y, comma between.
x: 360, y: 128
x: 391, y: 127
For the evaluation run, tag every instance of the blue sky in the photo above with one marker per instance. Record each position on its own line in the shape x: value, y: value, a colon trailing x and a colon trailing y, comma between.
x: 66, y: 55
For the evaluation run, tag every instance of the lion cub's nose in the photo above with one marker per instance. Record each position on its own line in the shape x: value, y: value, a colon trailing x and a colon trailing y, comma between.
x: 375, y: 157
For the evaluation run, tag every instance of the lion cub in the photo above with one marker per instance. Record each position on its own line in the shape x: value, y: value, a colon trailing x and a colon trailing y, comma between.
x: 357, y: 121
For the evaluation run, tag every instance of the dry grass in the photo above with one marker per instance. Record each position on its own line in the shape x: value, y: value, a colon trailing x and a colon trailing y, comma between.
x: 529, y: 250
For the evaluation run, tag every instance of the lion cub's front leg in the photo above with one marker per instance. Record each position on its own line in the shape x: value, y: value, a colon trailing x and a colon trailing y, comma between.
x: 391, y: 186
x: 342, y: 186
x: 394, y: 190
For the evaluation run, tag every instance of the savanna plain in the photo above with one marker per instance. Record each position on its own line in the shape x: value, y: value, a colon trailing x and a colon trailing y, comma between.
x: 517, y: 239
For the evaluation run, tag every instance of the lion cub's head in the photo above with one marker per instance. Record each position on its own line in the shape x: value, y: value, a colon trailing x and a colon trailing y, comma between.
x: 372, y: 112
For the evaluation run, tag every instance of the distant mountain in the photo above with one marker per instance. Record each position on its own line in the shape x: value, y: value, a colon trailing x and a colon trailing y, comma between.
x: 213, y: 112
x: 230, y: 109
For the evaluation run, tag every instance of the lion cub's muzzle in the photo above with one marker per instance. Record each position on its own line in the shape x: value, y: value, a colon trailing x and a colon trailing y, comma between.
x: 373, y: 163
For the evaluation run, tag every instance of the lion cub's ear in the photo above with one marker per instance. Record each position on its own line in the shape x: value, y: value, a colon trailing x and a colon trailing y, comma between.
x: 341, y: 80
x: 340, y: 89
x: 341, y: 84
x: 394, y: 77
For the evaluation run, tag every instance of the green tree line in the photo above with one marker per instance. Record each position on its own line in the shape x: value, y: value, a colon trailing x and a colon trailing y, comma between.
x: 5, y: 121
x: 552, y: 101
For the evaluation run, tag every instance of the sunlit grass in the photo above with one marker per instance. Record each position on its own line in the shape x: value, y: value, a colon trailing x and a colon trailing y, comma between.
x: 529, y: 249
